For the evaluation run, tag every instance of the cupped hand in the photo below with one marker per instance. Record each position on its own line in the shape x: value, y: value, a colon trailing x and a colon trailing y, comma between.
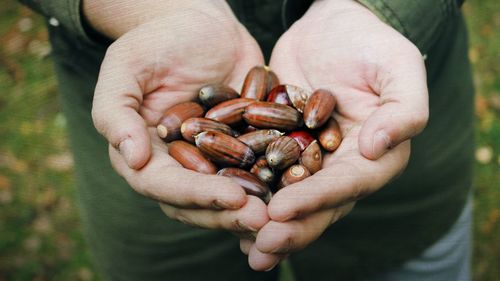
x: 378, y: 79
x: 160, y: 63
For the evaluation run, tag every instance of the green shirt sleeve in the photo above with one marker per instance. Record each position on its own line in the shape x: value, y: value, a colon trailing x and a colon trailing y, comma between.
x: 420, y: 21
x: 62, y: 13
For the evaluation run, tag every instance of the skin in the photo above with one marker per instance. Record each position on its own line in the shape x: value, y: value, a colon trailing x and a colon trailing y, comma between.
x: 378, y: 79
x: 153, y: 66
x: 376, y: 75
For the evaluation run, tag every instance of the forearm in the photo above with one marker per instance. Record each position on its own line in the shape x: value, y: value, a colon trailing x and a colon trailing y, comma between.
x: 115, y: 17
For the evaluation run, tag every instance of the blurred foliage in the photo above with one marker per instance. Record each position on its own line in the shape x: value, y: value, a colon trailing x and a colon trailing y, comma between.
x: 483, y: 19
x: 40, y: 231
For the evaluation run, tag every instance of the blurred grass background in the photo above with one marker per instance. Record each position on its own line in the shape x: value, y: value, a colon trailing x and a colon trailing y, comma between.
x: 40, y: 232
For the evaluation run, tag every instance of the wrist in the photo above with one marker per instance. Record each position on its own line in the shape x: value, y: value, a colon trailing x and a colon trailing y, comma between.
x: 114, y: 18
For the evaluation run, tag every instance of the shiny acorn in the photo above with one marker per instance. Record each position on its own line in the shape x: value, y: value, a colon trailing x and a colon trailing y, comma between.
x: 250, y: 183
x: 260, y: 139
x: 193, y: 126
x: 258, y: 83
x: 311, y: 157
x: 213, y: 94
x: 229, y: 112
x: 282, y: 152
x: 169, y: 127
x: 293, y: 175
x: 224, y: 149
x: 330, y: 136
x: 279, y: 95
x: 272, y: 116
x: 298, y: 96
x: 262, y: 170
x: 318, y: 108
x: 190, y: 157
x: 302, y: 137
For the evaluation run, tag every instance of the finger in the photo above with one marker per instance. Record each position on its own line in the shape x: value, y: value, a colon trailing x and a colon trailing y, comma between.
x: 346, y: 179
x: 117, y: 99
x: 245, y: 245
x: 294, y: 235
x: 164, y: 180
x: 249, y: 218
x: 259, y: 261
x: 403, y: 110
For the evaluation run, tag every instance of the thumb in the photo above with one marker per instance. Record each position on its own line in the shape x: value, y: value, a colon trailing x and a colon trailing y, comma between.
x: 117, y: 99
x: 403, y: 111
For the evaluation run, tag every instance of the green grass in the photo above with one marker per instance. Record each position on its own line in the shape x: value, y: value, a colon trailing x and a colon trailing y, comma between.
x: 40, y: 232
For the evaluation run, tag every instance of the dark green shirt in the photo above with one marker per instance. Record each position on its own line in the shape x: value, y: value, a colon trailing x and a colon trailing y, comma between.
x: 128, y: 232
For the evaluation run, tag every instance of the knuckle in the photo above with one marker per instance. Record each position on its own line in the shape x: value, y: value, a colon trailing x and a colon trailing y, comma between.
x: 419, y: 120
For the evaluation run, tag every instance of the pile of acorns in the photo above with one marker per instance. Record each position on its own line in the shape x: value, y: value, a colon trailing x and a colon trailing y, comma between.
x: 262, y: 130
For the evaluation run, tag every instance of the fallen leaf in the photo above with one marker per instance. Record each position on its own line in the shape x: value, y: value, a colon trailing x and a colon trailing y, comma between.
x: 61, y: 162
x: 25, y: 24
x: 4, y: 182
x: 484, y: 154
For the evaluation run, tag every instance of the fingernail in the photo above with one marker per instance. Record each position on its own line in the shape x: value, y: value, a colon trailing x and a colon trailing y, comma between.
x: 381, y: 143
x: 126, y: 148
x: 272, y: 267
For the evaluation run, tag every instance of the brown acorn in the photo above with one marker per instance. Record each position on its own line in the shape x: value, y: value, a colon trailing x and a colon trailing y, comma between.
x: 190, y: 157
x: 272, y: 116
x: 224, y: 149
x: 229, y: 112
x: 169, y: 127
x: 250, y: 183
x: 193, y: 126
x: 311, y: 157
x: 213, y: 94
x: 330, y: 136
x: 297, y: 96
x: 282, y: 152
x: 279, y: 95
x: 293, y: 175
x: 319, y: 108
x: 258, y: 83
x: 303, y: 138
x: 260, y: 139
x: 262, y: 170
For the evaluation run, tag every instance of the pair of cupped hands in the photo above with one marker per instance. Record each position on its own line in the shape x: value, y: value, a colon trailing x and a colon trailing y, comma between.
x: 377, y: 76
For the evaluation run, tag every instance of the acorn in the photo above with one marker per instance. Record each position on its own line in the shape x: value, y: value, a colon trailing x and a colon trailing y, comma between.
x: 311, y: 157
x: 293, y: 175
x: 279, y: 95
x: 318, y: 108
x: 258, y: 83
x: 260, y: 139
x: 330, y: 136
x: 303, y: 138
x: 224, y: 149
x: 296, y: 95
x: 169, y: 127
x: 272, y: 116
x: 193, y: 126
x: 250, y: 183
x: 282, y: 152
x: 190, y: 157
x: 213, y: 94
x: 262, y: 170
x: 229, y: 112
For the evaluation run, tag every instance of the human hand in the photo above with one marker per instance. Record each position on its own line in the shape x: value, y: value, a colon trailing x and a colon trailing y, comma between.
x: 154, y: 66
x: 378, y: 79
